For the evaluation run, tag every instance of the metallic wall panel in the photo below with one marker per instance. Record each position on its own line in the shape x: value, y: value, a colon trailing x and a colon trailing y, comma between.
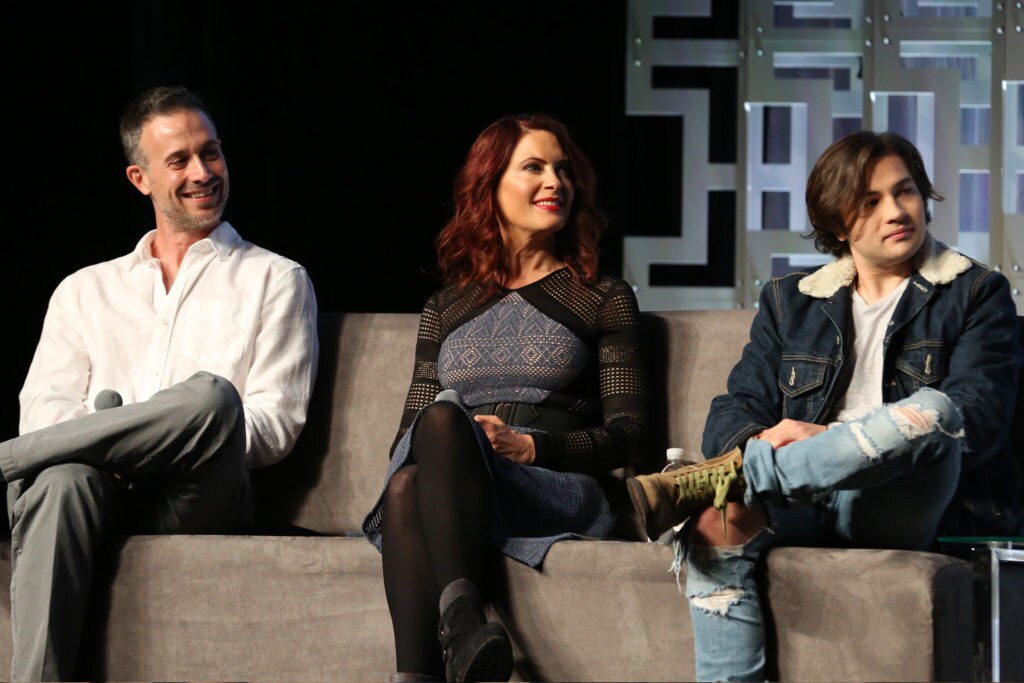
x: 948, y: 74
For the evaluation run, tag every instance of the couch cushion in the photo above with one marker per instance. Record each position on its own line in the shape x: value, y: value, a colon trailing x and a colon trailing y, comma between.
x: 241, y: 608
x: 869, y: 615
x: 599, y: 611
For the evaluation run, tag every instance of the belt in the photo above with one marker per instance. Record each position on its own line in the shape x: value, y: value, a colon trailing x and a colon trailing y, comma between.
x: 516, y: 414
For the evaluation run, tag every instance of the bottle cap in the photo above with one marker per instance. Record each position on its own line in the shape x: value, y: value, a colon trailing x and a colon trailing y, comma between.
x: 674, y: 454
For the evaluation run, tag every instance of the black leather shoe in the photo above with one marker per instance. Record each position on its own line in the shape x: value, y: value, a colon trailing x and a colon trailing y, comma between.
x: 473, y: 650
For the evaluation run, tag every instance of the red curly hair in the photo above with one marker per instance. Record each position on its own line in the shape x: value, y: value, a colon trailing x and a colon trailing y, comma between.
x: 469, y: 247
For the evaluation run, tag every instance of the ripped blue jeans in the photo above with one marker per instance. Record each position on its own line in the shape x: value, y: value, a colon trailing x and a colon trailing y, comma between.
x: 882, y: 481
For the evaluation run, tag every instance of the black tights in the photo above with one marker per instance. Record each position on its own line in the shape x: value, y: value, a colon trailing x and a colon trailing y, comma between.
x: 436, y: 520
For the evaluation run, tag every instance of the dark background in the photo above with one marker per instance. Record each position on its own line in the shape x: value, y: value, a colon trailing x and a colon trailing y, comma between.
x: 343, y: 126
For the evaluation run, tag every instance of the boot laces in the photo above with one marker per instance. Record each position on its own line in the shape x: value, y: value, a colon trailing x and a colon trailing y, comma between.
x: 697, y: 484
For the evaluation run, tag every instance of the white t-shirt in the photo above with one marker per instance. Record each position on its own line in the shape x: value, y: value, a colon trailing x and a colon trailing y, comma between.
x: 870, y: 323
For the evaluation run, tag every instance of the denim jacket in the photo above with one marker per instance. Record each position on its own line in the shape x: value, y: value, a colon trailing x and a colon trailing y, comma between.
x: 954, y: 329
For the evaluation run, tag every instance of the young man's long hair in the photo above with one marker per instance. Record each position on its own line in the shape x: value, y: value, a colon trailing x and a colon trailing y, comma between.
x: 839, y: 182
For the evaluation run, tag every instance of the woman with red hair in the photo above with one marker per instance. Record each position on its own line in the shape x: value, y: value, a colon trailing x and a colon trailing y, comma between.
x: 527, y: 390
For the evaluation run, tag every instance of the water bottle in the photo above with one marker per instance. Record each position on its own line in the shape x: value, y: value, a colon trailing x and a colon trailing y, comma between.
x: 674, y: 459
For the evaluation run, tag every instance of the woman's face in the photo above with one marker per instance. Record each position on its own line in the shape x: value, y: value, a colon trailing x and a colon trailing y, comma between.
x: 535, y: 193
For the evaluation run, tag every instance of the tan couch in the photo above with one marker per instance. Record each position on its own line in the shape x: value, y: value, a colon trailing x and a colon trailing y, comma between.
x: 305, y: 601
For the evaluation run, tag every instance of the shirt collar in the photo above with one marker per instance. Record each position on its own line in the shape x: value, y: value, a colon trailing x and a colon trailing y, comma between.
x: 222, y: 241
x: 934, y: 261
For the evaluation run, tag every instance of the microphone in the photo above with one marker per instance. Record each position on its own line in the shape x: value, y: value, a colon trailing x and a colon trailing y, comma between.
x: 108, y: 398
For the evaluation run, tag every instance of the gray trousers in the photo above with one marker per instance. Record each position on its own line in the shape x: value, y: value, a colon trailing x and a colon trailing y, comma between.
x: 177, y: 461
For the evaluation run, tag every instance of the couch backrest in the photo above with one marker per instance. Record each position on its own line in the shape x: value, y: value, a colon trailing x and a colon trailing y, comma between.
x: 689, y: 356
x: 337, y: 468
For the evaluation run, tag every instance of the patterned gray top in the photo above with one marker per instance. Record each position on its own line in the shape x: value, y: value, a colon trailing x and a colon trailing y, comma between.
x: 558, y: 343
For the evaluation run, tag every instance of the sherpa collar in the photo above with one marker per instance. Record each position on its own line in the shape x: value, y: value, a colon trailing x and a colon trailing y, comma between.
x: 936, y: 263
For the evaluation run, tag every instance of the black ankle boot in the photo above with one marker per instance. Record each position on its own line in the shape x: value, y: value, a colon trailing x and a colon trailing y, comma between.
x: 472, y: 649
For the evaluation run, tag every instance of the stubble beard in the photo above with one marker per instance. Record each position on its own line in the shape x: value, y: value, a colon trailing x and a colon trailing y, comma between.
x: 183, y: 221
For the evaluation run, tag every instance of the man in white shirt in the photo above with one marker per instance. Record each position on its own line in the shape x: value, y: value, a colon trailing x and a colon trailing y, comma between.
x: 210, y: 344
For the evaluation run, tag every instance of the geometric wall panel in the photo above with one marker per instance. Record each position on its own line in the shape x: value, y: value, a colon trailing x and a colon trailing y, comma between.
x: 946, y: 74
x: 681, y: 60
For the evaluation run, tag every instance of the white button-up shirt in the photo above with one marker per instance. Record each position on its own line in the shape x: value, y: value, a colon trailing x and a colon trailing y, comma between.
x: 235, y: 309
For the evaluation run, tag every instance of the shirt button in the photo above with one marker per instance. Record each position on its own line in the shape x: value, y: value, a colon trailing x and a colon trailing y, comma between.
x: 164, y: 322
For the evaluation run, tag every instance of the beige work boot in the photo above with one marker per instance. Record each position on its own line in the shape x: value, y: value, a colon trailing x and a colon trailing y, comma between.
x: 664, y: 500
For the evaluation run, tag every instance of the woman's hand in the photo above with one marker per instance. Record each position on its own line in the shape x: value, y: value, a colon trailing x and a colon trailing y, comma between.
x: 789, y: 431
x: 507, y: 442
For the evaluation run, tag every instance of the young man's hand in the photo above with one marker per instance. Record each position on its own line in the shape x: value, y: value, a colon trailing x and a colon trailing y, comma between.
x: 789, y: 431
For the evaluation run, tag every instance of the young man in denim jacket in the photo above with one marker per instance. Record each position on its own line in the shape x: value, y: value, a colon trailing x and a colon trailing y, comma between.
x: 871, y: 406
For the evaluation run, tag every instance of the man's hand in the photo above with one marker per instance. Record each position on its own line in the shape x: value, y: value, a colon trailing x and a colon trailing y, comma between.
x: 507, y: 442
x: 789, y: 431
